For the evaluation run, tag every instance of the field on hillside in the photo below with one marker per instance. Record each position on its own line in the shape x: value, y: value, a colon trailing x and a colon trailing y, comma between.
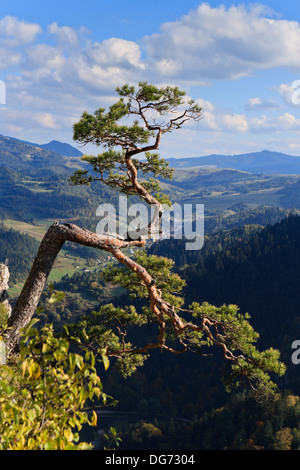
x: 217, y: 200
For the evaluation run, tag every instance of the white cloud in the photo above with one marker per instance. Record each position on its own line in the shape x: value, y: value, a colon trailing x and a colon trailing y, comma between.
x: 285, y: 122
x: 224, y: 43
x: 10, y: 120
x: 234, y: 122
x: 9, y: 58
x: 15, y: 33
x: 290, y: 93
x: 260, y: 103
x: 53, y: 85
x: 205, y: 104
x: 46, y: 120
x: 218, y: 120
x: 43, y: 61
x: 116, y: 52
x: 21, y: 31
x: 288, y: 122
x: 64, y: 34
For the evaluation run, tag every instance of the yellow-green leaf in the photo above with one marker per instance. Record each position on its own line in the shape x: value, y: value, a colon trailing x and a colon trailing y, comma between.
x: 105, y: 361
x: 94, y: 419
x: 56, y: 297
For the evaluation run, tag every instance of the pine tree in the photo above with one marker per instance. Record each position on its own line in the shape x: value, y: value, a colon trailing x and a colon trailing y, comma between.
x: 132, y: 127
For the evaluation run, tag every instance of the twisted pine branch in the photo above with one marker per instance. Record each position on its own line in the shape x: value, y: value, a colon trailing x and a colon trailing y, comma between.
x: 50, y: 246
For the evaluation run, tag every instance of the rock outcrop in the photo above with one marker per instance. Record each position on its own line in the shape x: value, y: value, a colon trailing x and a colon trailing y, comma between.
x: 4, y: 278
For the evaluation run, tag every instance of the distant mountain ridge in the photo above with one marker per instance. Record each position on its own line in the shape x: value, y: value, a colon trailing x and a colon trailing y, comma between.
x: 22, y: 157
x: 61, y: 148
x: 32, y: 159
x: 266, y: 162
x: 19, y: 154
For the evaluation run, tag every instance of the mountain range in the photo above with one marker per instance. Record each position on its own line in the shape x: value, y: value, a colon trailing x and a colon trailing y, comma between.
x: 220, y: 182
x: 30, y: 159
x: 55, y: 146
x: 264, y: 162
x: 64, y: 149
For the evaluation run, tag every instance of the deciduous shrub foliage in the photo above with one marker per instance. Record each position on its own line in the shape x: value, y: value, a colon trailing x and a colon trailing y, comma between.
x: 43, y: 393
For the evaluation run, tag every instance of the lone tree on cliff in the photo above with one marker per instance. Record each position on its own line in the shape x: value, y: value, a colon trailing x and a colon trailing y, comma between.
x: 131, y: 127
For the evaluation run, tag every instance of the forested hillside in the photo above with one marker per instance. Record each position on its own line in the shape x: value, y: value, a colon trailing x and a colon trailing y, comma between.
x: 21, y: 156
x: 253, y: 267
x: 257, y: 270
x: 262, y: 277
x: 242, y: 424
x: 220, y: 232
x: 18, y: 251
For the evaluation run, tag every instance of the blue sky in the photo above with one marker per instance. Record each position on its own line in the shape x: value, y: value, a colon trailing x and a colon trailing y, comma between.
x: 241, y: 61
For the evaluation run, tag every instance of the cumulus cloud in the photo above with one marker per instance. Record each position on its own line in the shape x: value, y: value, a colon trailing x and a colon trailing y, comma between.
x: 288, y: 122
x: 64, y: 34
x: 9, y: 58
x: 222, y: 43
x: 11, y: 122
x: 115, y: 52
x: 55, y: 83
x: 234, y: 123
x: 46, y: 120
x: 285, y: 122
x: 218, y: 120
x: 105, y: 65
x: 205, y: 104
x: 20, y: 31
x: 290, y: 93
x: 43, y: 62
x: 15, y: 33
x: 260, y: 103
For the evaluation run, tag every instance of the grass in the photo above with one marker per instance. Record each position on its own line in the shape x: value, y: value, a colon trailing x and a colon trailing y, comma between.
x: 268, y: 197
x: 36, y: 230
x: 62, y: 266
x: 34, y: 186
